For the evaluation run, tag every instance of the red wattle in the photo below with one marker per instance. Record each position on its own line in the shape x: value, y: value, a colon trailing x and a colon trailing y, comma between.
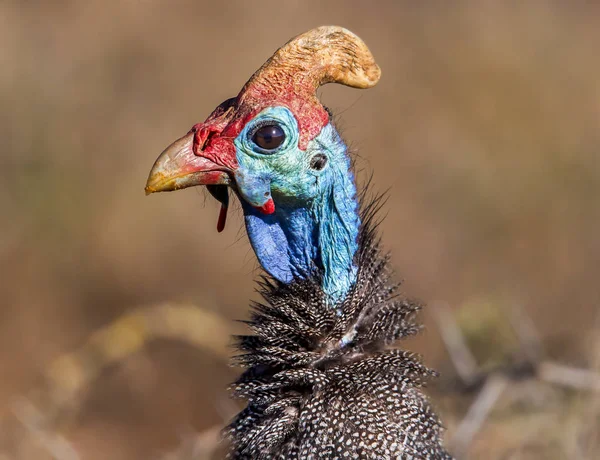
x: 268, y: 207
x: 222, y: 218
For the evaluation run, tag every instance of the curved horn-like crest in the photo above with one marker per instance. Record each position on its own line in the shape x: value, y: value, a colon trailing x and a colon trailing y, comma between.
x: 327, y: 54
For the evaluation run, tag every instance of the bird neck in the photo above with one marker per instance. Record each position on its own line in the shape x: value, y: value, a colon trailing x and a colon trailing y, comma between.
x: 317, y: 236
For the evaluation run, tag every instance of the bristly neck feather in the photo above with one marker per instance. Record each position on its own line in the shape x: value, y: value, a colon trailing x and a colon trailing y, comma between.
x: 319, y: 236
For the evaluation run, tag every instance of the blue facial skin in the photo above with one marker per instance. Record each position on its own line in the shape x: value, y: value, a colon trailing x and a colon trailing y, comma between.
x: 315, y: 224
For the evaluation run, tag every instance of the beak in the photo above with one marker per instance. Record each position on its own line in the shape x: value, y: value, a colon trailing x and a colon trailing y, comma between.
x: 178, y: 167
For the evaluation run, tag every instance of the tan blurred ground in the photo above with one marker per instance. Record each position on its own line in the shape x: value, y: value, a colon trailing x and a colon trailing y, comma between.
x: 485, y: 127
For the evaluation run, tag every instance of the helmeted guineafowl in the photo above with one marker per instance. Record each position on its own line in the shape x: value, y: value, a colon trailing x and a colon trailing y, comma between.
x: 322, y: 379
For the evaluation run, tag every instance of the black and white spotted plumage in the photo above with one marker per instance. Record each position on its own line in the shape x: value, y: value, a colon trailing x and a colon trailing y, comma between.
x: 325, y: 382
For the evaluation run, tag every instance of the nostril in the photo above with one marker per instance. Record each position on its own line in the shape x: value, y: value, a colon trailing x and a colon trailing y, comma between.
x: 201, y: 137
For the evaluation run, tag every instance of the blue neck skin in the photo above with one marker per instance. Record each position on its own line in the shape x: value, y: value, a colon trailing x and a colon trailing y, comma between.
x: 317, y: 233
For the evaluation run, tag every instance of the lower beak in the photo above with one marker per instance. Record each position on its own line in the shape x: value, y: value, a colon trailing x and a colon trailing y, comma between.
x: 178, y: 167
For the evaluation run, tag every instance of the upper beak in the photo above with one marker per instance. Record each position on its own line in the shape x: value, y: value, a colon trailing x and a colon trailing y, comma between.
x: 178, y: 167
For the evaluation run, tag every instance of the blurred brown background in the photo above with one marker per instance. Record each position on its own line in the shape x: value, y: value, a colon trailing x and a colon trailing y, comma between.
x: 485, y: 128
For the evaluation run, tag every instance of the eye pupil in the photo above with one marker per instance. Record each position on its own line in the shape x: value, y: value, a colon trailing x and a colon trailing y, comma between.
x: 269, y: 137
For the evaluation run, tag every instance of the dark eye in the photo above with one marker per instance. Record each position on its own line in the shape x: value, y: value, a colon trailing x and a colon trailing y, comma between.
x: 269, y: 137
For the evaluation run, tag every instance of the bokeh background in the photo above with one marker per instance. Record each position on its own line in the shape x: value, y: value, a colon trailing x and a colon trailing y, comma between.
x: 484, y: 128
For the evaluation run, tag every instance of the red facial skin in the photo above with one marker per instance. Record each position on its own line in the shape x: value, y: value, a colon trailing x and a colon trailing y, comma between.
x: 214, y: 138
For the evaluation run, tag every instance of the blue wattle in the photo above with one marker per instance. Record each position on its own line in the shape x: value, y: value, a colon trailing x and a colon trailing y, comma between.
x: 315, y: 225
x: 285, y: 242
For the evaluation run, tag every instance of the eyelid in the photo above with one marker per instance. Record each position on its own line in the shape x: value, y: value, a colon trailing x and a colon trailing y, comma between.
x: 264, y: 122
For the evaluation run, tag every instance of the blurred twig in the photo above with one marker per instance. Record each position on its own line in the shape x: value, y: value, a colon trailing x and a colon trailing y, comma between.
x: 66, y: 378
x: 493, y: 383
x: 478, y: 413
x: 454, y: 340
x: 567, y: 376
x: 127, y: 335
x: 53, y: 443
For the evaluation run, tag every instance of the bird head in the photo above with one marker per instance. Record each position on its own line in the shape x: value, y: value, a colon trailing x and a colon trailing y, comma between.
x: 274, y: 145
